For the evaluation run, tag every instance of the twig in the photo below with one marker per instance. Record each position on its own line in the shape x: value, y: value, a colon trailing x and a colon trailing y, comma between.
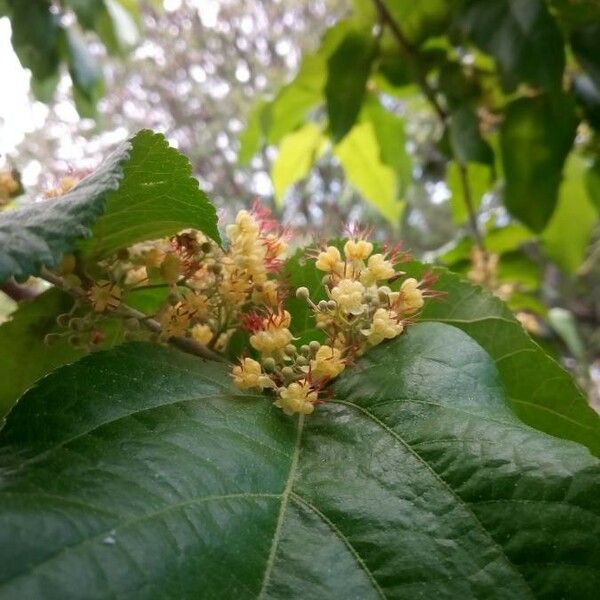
x: 412, y: 52
x: 17, y: 292
x: 183, y: 343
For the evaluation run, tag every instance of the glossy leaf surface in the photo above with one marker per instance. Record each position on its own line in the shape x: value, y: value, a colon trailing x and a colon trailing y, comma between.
x: 164, y: 482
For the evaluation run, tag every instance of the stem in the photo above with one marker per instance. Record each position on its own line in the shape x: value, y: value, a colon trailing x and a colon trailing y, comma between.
x: 183, y: 343
x: 17, y: 292
x: 412, y: 52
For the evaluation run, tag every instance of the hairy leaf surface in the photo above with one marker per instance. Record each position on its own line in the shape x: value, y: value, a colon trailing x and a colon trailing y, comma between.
x: 415, y: 479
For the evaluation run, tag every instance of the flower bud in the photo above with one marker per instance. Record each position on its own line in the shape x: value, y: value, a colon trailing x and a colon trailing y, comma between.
x: 303, y: 293
x: 268, y: 364
x: 288, y: 373
x: 290, y: 350
x: 302, y: 361
x: 322, y: 305
x: 314, y: 346
x: 331, y: 304
x: 305, y: 349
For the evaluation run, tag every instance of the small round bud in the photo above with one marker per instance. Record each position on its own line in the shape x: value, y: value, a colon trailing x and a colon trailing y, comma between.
x: 331, y: 304
x: 303, y: 293
x: 322, y: 305
x: 268, y: 364
x: 325, y: 280
x: 205, y: 247
x: 383, y: 292
x: 172, y: 299
x: 305, y: 349
x: 290, y: 350
x: 302, y: 361
x: 287, y: 372
x: 314, y: 346
x: 77, y: 324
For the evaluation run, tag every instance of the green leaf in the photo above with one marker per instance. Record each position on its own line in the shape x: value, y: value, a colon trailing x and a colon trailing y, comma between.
x: 36, y: 33
x: 480, y: 180
x: 523, y: 38
x: 25, y: 356
x: 359, y: 155
x: 505, y: 239
x: 391, y: 139
x: 465, y: 138
x: 293, y: 101
x: 157, y: 197
x: 41, y: 233
x: 585, y: 42
x: 592, y: 182
x: 535, y: 138
x: 298, y: 152
x: 421, y: 19
x: 87, y: 11
x: 566, y: 238
x: 251, y: 136
x: 539, y: 390
x: 85, y: 74
x: 165, y: 482
x: 348, y: 71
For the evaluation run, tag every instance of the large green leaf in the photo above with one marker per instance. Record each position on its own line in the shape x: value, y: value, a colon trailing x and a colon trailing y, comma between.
x: 586, y: 45
x: 158, y: 196
x: 479, y: 177
x: 521, y: 35
x: 539, y: 390
x: 145, y: 190
x: 414, y: 479
x: 348, y: 70
x: 535, y: 138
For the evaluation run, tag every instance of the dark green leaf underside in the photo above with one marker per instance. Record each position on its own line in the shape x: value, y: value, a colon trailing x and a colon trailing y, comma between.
x: 414, y: 480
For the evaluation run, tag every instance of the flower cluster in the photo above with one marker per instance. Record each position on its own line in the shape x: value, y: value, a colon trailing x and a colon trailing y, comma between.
x: 192, y: 288
x: 366, y: 301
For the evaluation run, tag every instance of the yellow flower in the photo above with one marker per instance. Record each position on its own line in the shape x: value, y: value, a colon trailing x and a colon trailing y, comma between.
x: 170, y: 269
x: 327, y: 363
x: 174, y: 321
x: 378, y: 268
x: 384, y: 326
x: 297, y: 398
x: 270, y: 341
x: 358, y: 250
x: 202, y: 333
x: 411, y: 297
x: 248, y: 374
x: 330, y: 260
x: 348, y: 294
x: 267, y: 293
x: 104, y: 295
x: 197, y: 304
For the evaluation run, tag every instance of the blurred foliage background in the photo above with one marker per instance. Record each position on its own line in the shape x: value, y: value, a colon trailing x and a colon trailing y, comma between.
x: 466, y: 128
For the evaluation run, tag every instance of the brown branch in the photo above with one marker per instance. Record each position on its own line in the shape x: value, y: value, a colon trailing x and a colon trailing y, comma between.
x: 182, y: 343
x: 17, y: 292
x: 412, y: 52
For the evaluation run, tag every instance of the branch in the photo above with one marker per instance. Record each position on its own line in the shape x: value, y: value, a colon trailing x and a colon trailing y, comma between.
x: 17, y: 292
x: 412, y: 52
x: 182, y: 343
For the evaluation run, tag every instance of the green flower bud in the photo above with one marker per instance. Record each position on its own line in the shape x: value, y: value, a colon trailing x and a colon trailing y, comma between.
x: 268, y: 364
x: 314, y: 346
x: 303, y: 293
